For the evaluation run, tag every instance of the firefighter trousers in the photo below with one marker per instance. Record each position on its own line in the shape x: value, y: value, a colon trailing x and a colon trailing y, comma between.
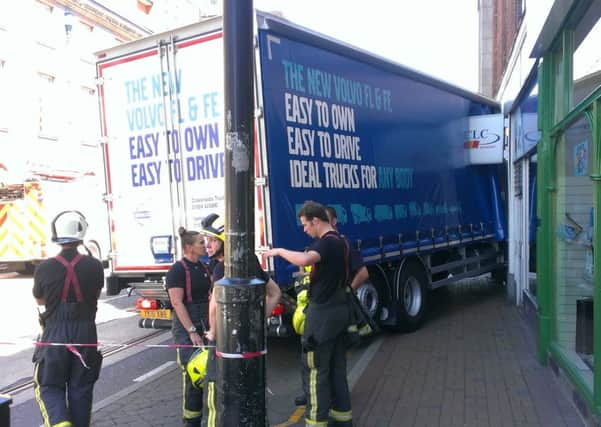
x: 209, y: 408
x: 192, y: 397
x: 325, y: 384
x: 64, y: 376
x: 64, y: 386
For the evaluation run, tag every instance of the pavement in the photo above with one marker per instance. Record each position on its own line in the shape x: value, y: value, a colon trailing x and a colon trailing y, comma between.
x: 472, y: 364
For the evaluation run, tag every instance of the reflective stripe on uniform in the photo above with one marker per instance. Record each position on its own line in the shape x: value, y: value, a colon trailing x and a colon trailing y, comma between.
x: 191, y: 415
x: 341, y: 415
x: 179, y: 359
x: 212, y: 412
x: 183, y: 389
x: 310, y: 422
x: 365, y: 330
x: 187, y: 413
x: 63, y: 424
x: 312, y: 385
x: 38, y: 396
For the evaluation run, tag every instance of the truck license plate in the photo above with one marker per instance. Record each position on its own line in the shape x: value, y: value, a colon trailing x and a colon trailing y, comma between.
x: 156, y: 314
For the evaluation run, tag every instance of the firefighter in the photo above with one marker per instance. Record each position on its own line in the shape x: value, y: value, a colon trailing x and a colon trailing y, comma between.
x: 188, y: 284
x: 213, y: 228
x: 358, y: 273
x: 326, y: 320
x: 69, y: 286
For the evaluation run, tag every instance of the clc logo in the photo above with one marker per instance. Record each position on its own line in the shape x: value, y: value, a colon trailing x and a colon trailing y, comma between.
x: 481, y: 137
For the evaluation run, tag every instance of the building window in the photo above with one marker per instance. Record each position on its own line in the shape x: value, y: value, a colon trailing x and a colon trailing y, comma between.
x: 86, y: 116
x: 586, y: 70
x: 48, y: 24
x: 4, y: 104
x: 44, y: 6
x: 520, y: 11
x: 48, y: 108
x: 573, y: 261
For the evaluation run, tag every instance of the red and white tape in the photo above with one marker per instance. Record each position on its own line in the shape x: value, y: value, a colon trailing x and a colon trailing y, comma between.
x: 246, y: 355
x: 98, y: 344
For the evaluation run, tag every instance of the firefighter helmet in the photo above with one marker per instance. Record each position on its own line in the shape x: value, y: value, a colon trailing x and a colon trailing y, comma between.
x: 212, y: 225
x: 197, y: 366
x: 298, y: 318
x: 69, y: 227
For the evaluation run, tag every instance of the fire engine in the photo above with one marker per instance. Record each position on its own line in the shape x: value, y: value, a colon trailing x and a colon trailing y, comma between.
x: 30, y: 200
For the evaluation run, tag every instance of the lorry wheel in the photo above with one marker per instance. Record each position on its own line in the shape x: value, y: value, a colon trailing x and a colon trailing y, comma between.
x: 28, y: 269
x: 367, y: 294
x: 372, y: 294
x: 113, y: 287
x: 411, y: 284
x: 499, y: 275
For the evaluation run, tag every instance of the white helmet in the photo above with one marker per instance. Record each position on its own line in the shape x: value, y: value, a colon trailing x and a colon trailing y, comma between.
x: 69, y: 227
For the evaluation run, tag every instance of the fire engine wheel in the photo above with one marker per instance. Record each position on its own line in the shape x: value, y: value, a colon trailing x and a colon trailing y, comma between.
x: 411, y: 285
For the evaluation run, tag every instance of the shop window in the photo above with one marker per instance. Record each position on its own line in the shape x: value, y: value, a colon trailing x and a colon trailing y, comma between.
x: 526, y: 130
x: 529, y: 117
x: 573, y: 237
x: 559, y: 112
x: 587, y: 56
x: 532, y: 222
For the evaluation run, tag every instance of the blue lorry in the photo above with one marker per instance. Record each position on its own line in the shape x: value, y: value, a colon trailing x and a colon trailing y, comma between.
x: 413, y: 165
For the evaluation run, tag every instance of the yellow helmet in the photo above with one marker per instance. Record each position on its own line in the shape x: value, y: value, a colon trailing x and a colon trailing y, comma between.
x: 197, y: 366
x: 213, y: 225
x: 298, y: 318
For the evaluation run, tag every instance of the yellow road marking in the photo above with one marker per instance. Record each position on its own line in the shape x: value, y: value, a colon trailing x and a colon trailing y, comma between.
x: 294, y: 418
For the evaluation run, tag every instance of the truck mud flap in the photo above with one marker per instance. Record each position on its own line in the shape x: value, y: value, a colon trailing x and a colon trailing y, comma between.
x: 154, y: 323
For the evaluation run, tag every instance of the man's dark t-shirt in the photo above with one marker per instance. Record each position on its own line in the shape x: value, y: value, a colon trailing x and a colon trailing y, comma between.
x: 49, y: 280
x: 355, y: 260
x: 200, y: 280
x: 330, y: 273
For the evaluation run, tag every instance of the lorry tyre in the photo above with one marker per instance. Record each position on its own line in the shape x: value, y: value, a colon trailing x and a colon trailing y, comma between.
x: 367, y: 294
x: 28, y: 269
x: 411, y: 285
x: 372, y: 293
x: 113, y: 286
x: 499, y: 275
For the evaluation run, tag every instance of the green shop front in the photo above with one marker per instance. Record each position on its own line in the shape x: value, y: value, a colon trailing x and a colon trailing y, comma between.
x: 569, y: 196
